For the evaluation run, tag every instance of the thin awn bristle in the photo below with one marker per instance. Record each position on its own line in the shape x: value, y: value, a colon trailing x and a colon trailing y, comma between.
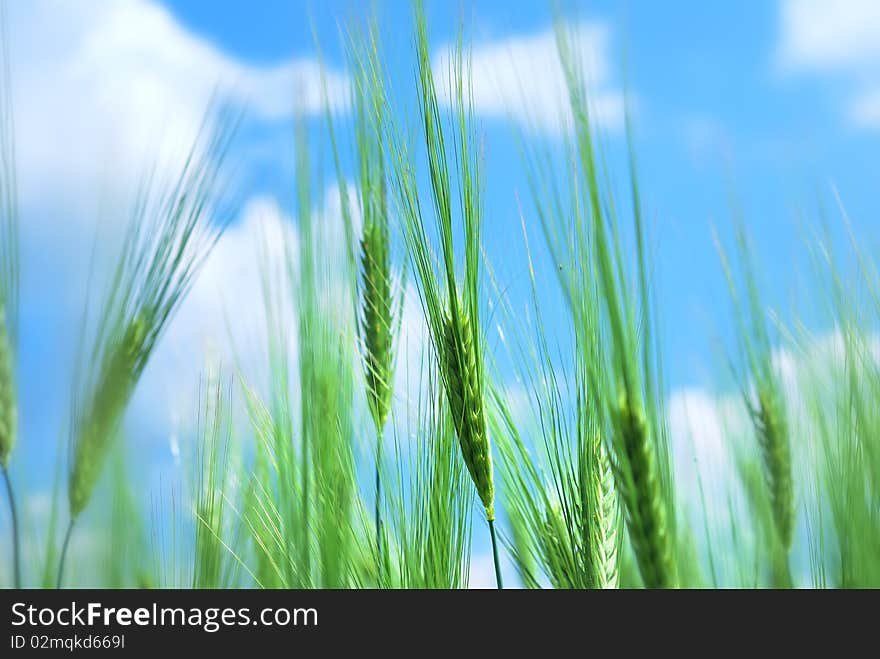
x: 464, y: 391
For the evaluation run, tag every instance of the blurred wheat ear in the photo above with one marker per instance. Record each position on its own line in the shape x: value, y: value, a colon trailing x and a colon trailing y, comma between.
x: 9, y: 285
x: 173, y: 226
x: 763, y: 396
x: 8, y: 405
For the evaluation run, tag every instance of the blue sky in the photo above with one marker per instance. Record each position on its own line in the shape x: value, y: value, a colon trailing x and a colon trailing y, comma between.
x: 718, y: 100
x: 778, y: 98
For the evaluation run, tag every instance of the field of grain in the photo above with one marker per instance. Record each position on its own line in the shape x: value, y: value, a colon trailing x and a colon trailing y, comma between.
x: 407, y: 407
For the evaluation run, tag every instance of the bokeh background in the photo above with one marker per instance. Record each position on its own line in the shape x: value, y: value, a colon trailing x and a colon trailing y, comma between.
x: 771, y: 107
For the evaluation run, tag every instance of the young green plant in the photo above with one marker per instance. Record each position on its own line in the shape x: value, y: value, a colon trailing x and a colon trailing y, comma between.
x: 451, y: 308
x: 559, y: 488
x: 625, y: 383
x: 379, y: 292
x: 9, y: 287
x: 172, y: 229
x: 763, y: 395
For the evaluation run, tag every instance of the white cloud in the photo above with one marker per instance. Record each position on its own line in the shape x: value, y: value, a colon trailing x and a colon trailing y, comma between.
x: 822, y: 35
x: 865, y: 109
x: 840, y: 40
x: 99, y: 85
x: 103, y: 90
x: 221, y: 323
x: 522, y: 78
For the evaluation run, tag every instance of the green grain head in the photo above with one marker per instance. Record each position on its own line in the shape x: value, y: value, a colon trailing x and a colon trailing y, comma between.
x: 377, y: 319
x: 556, y: 549
x: 104, y: 413
x: 464, y: 390
x: 9, y: 251
x: 767, y: 405
x: 173, y: 226
x: 771, y: 429
x: 8, y: 409
x: 604, y: 540
x: 641, y: 491
x: 450, y: 298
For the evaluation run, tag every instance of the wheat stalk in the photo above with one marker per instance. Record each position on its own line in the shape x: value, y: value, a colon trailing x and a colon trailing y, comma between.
x: 634, y: 417
x: 8, y: 406
x: 9, y: 284
x: 451, y: 311
x: 172, y: 230
x: 378, y: 312
x: 767, y: 413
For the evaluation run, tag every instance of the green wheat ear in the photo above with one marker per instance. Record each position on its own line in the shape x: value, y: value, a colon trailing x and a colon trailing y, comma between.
x: 604, y: 542
x: 112, y: 392
x: 557, y: 548
x: 641, y: 491
x: 104, y: 413
x: 772, y: 431
x: 174, y: 225
x: 8, y: 409
x: 377, y: 320
x: 464, y: 390
x: 766, y: 406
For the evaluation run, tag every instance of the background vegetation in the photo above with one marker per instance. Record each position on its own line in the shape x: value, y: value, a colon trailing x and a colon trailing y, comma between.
x: 324, y: 471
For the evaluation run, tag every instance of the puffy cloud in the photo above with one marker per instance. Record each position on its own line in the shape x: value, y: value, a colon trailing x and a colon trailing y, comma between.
x: 103, y: 91
x: 820, y: 35
x: 100, y: 85
x: 840, y: 40
x: 522, y: 78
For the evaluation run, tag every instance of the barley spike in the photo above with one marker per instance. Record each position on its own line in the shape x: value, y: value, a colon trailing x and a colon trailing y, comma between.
x: 464, y: 392
x: 604, y: 543
x: 8, y: 410
x: 772, y: 432
x: 645, y: 513
x: 377, y: 320
x: 117, y: 379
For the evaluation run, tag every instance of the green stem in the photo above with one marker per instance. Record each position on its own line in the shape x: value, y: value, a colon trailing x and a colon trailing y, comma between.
x: 781, y: 570
x: 379, y: 509
x: 16, y: 539
x: 306, y: 580
x: 495, y: 555
x: 64, y: 547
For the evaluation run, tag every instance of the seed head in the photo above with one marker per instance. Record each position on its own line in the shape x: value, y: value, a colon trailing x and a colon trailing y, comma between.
x: 117, y: 377
x: 377, y: 320
x: 555, y: 539
x: 639, y: 485
x: 8, y: 408
x: 772, y: 432
x: 464, y: 390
